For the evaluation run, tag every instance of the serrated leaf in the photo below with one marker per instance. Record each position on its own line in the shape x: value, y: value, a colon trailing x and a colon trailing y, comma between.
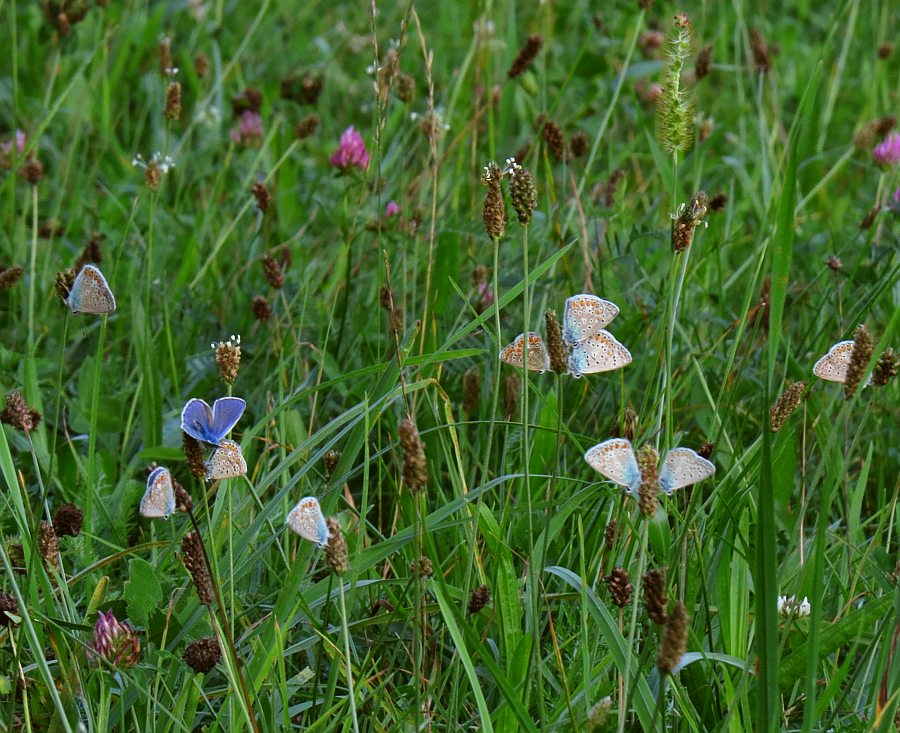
x: 143, y: 593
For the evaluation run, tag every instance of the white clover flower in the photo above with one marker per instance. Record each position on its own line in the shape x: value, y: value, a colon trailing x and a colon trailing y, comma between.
x: 790, y: 606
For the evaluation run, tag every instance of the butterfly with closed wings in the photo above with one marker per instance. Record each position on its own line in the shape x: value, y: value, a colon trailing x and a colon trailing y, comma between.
x: 159, y: 498
x: 307, y: 520
x: 615, y: 459
x: 90, y: 293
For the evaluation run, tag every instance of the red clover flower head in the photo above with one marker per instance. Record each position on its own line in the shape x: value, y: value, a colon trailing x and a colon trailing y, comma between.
x: 887, y: 152
x: 249, y: 131
x: 351, y: 152
x: 115, y: 641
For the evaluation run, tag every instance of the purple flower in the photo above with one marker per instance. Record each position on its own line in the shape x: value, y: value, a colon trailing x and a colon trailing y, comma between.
x: 115, y: 641
x: 351, y: 152
x: 392, y: 209
x: 887, y: 152
x: 249, y: 132
x: 6, y: 148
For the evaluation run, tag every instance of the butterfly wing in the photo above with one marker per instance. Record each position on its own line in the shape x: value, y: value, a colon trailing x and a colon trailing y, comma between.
x: 833, y: 366
x: 601, y: 352
x: 615, y: 459
x: 307, y: 520
x: 90, y: 293
x: 197, y: 421
x: 227, y: 461
x: 683, y: 467
x: 159, y: 498
x: 586, y: 315
x: 538, y: 359
x: 226, y: 411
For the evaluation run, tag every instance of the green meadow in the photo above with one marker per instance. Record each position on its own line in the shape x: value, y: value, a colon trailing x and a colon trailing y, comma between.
x: 338, y: 219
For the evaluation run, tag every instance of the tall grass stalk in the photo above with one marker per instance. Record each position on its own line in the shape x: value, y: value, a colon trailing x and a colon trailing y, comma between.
x: 348, y: 658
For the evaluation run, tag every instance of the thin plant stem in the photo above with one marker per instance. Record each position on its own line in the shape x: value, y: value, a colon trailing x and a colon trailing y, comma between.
x: 349, y: 662
x: 632, y: 630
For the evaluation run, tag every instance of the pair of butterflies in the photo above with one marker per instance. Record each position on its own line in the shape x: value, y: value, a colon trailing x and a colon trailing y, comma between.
x: 591, y: 348
x: 211, y: 425
x: 307, y: 520
x: 158, y: 501
x: 615, y: 459
x: 90, y: 293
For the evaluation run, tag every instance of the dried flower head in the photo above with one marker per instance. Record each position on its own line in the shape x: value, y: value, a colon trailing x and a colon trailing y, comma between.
x: 655, y: 599
x: 706, y: 450
x: 9, y: 276
x: 704, y: 62
x: 629, y: 423
x: 523, y: 60
x: 303, y: 89
x: 579, y: 144
x: 91, y: 251
x: 686, y: 220
x: 32, y: 170
x: 164, y: 52
x: 67, y: 520
x: 674, y: 641
x: 203, y: 654
x: 261, y: 307
x: 193, y: 559
x: 553, y: 137
x: 114, y: 642
x: 761, y: 55
x: 183, y: 501
x: 675, y: 105
x: 494, y: 212
x: 421, y: 567
x: 307, y: 127
x: 272, y: 271
x: 785, y: 405
x: 522, y: 191
x: 555, y: 346
x: 8, y: 605
x: 415, y: 468
x: 718, y: 202
x: 480, y: 597
x: 619, y: 587
x: 648, y: 460
x: 193, y: 454
x: 262, y: 195
x: 885, y: 368
x: 249, y: 99
x: 228, y: 358
x: 17, y: 413
x: 406, y: 87
x: 609, y: 534
x: 386, y: 73
x: 834, y: 263
x: 650, y: 41
x: 172, y: 109
x: 885, y: 51
x: 471, y: 389
x: 336, y: 556
x: 605, y: 191
x: 863, y: 346
x: 331, y: 459
x: 201, y: 65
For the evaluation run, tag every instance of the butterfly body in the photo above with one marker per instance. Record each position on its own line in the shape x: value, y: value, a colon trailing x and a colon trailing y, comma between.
x: 535, y: 358
x: 586, y: 315
x: 615, y: 459
x: 307, y: 520
x: 90, y: 293
x: 600, y: 352
x: 227, y: 461
x: 211, y: 425
x: 159, y: 498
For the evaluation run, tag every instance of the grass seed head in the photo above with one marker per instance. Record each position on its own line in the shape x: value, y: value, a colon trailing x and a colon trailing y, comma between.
x: 675, y: 104
x: 885, y: 368
x: 863, y: 346
x: 67, y: 520
x: 655, y: 599
x: 307, y: 126
x: 228, y: 358
x: 674, y: 641
x: 336, y: 556
x: 415, y: 467
x: 48, y: 545
x: 648, y: 460
x: 193, y: 454
x: 192, y: 557
x: 479, y: 598
x: 785, y: 405
x: 203, y: 654
x: 262, y: 195
x: 619, y: 586
x: 494, y: 212
x: 522, y: 192
x: 8, y: 605
x: 261, y: 307
x: 9, y: 276
x: 273, y: 272
x: 16, y: 412
x: 555, y: 346
x: 421, y: 567
x: 527, y: 53
x: 703, y: 64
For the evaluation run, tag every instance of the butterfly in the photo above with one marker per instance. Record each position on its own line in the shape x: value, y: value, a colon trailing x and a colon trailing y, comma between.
x: 307, y: 520
x: 211, y: 425
x: 615, y: 459
x: 159, y: 498
x: 90, y: 293
x: 538, y: 360
x: 585, y: 315
x: 227, y: 461
x: 833, y: 366
x: 601, y: 352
